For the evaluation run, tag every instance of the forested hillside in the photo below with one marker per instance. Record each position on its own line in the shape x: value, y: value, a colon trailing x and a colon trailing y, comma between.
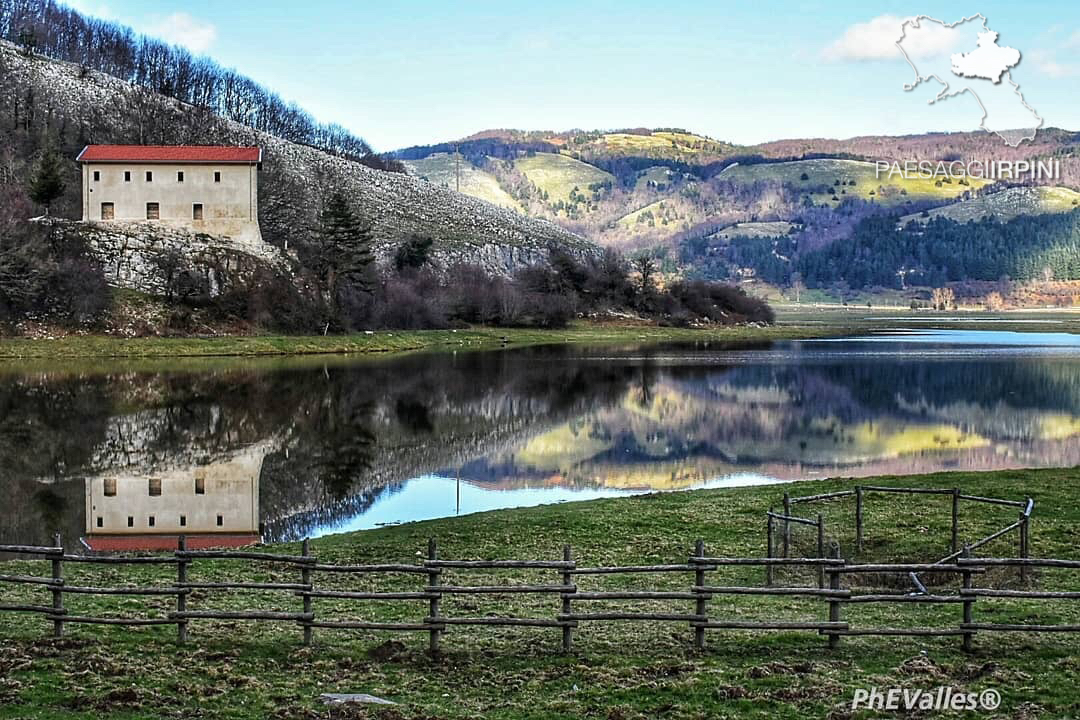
x: 941, y: 251
x: 707, y: 208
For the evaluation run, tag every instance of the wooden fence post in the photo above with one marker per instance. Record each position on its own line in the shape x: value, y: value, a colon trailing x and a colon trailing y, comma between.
x: 181, y: 580
x: 1024, y: 542
x: 699, y: 582
x: 834, y: 602
x: 433, y: 608
x: 956, y: 520
x: 567, y: 580
x: 770, y: 549
x: 821, y: 550
x: 57, y: 591
x: 787, y: 525
x: 968, y: 601
x: 305, y: 579
x: 858, y: 519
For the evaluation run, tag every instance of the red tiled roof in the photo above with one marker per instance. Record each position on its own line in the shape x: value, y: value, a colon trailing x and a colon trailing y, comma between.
x: 170, y: 154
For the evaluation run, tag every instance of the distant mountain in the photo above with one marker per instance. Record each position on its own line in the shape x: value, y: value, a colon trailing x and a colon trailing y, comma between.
x: 686, y: 196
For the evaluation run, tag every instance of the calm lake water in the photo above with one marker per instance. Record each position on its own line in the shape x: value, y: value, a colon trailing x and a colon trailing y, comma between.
x: 114, y: 453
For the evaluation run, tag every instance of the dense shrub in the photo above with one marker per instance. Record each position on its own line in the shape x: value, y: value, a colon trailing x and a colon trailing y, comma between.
x: 718, y: 303
x: 406, y: 303
x: 546, y: 296
x: 40, y: 277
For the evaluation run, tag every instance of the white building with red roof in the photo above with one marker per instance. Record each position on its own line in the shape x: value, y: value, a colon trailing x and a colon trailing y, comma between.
x: 208, y: 189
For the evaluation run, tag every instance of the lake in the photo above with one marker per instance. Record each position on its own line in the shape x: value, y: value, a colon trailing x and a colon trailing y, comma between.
x: 128, y: 454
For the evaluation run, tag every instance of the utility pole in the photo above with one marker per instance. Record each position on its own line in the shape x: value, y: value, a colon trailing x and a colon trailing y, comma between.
x: 457, y: 165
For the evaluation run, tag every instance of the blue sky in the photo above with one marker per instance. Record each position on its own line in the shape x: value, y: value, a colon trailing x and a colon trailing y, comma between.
x: 424, y: 71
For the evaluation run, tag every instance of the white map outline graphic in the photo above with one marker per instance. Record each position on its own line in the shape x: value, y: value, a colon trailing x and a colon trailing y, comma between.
x: 946, y: 92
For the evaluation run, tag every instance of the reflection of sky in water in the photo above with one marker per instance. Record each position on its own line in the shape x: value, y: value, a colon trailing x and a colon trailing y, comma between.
x: 894, y: 345
x: 1009, y: 339
x: 783, y: 458
x: 430, y: 497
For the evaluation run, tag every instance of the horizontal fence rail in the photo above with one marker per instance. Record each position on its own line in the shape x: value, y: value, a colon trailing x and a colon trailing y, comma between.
x: 697, y: 605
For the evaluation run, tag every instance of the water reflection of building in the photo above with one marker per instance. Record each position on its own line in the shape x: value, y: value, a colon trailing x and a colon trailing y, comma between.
x: 212, y: 505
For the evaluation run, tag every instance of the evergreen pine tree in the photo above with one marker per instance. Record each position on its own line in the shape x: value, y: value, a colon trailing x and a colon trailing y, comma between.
x: 347, y: 259
x: 47, y: 185
x: 413, y: 253
x: 347, y: 243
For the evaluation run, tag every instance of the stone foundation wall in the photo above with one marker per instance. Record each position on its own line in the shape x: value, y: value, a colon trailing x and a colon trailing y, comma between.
x: 148, y: 257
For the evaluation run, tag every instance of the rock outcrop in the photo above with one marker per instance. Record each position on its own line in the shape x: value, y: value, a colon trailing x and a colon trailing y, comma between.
x: 155, y: 259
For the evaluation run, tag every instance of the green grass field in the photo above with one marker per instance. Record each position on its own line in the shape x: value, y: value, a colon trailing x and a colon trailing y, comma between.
x: 630, y: 220
x: 441, y: 169
x: 618, y: 670
x: 856, y: 317
x: 867, y: 185
x: 657, y: 174
x: 1005, y: 205
x: 664, y: 144
x: 806, y: 320
x: 558, y: 175
x: 388, y: 341
x: 757, y: 229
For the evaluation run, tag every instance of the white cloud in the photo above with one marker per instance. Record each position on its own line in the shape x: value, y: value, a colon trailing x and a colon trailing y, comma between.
x: 91, y: 7
x: 1074, y: 40
x: 179, y: 28
x: 877, y: 38
x: 1047, y: 64
x: 196, y: 35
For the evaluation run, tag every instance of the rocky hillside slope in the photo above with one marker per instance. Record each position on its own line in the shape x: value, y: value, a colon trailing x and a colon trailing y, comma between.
x: 82, y: 106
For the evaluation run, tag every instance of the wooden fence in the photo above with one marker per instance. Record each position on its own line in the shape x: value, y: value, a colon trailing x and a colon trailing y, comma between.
x: 1022, y: 526
x: 692, y: 606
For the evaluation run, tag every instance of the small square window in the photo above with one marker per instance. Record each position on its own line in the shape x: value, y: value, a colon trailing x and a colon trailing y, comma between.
x: 180, y: 176
x: 108, y: 211
x: 200, y: 486
x: 155, y: 487
x: 196, y: 211
x: 217, y: 177
x: 97, y: 176
x: 100, y: 522
x: 183, y: 521
x: 153, y: 211
x: 110, y: 487
x: 131, y: 521
x: 150, y: 521
x: 220, y: 520
x: 149, y: 176
x: 127, y: 176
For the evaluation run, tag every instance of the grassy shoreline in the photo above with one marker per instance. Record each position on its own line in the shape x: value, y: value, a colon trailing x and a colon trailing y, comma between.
x: 392, y: 341
x: 793, y: 323
x: 618, y: 670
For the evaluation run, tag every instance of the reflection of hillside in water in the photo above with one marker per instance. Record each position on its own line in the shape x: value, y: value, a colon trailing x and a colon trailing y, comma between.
x: 681, y: 426
x: 335, y: 437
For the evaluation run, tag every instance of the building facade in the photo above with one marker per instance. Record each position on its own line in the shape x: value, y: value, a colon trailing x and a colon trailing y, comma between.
x: 208, y: 189
x: 212, y: 504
